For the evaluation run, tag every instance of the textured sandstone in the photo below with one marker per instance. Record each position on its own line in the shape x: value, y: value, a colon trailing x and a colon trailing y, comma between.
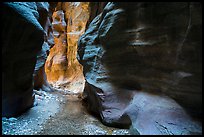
x: 95, y: 9
x: 69, y: 22
x: 45, y: 11
x: 134, y: 48
x: 142, y: 61
x: 22, y: 37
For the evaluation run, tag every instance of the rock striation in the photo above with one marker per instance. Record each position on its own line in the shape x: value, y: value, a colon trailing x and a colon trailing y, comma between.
x: 68, y: 22
x: 45, y: 10
x: 22, y: 36
x: 135, y: 54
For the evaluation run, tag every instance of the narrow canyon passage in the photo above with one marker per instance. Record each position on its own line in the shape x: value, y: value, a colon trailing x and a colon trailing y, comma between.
x: 60, y: 112
x: 101, y: 68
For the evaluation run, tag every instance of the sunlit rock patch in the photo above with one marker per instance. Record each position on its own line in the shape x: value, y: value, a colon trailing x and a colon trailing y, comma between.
x: 62, y: 67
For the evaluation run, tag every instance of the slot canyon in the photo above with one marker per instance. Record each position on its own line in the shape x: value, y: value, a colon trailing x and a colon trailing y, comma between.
x: 101, y: 68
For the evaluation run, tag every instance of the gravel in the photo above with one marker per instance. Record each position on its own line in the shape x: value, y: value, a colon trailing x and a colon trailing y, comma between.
x: 57, y: 114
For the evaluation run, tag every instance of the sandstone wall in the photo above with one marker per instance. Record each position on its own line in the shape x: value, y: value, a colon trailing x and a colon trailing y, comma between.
x: 69, y: 22
x: 22, y: 36
x: 136, y: 53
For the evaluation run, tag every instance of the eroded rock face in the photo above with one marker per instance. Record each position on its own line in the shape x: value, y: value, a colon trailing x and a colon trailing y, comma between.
x: 45, y: 10
x: 135, y: 48
x: 95, y: 9
x: 57, y: 56
x: 69, y: 22
x: 22, y: 37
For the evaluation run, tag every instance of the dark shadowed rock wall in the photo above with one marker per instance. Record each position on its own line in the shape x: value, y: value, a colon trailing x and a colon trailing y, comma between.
x: 95, y: 9
x: 140, y: 57
x: 23, y: 37
x: 45, y: 11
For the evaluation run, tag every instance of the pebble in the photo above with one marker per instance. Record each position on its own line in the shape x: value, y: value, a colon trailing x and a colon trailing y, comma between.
x: 12, y: 119
x: 4, y: 118
x: 35, y: 103
x: 26, y: 127
x: 120, y: 132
